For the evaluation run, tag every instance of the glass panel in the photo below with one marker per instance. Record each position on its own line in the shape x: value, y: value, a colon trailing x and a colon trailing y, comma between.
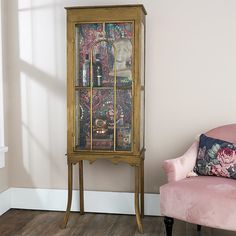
x: 142, y: 109
x: 77, y: 82
x: 121, y: 34
x: 100, y: 48
x: 142, y: 55
x: 85, y: 36
x: 142, y: 114
x: 82, y: 119
x: 103, y: 119
x: 124, y: 120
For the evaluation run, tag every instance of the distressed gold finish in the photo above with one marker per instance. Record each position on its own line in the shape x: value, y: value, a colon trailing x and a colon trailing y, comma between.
x: 70, y: 181
x: 134, y: 157
x: 81, y: 187
x: 136, y: 199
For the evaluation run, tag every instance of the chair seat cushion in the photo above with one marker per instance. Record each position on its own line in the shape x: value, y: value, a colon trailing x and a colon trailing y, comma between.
x: 203, y: 200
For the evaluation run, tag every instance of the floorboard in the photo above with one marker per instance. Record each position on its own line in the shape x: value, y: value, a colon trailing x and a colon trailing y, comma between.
x: 47, y: 223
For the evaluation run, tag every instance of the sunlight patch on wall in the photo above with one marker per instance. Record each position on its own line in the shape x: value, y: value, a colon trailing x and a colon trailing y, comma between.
x: 25, y: 36
x: 22, y: 4
x: 35, y: 131
x: 37, y: 35
x: 24, y: 118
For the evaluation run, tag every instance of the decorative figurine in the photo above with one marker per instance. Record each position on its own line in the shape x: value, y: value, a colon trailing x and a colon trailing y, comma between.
x: 123, y: 58
x: 100, y: 127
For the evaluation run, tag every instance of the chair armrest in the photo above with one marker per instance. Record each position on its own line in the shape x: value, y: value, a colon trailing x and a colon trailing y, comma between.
x: 178, y: 168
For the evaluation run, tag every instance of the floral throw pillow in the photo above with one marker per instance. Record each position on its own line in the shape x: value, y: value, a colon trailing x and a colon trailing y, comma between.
x: 216, y: 157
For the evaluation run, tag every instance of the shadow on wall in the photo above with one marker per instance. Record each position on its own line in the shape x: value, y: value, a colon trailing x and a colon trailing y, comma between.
x: 37, y: 94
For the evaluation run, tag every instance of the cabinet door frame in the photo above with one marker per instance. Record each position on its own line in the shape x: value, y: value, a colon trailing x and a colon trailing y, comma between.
x: 78, y: 16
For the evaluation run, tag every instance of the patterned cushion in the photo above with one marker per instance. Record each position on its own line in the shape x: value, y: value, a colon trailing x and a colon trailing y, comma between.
x: 216, y: 157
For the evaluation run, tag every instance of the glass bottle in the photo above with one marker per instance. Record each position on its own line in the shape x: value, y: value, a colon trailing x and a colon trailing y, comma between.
x: 97, y: 74
x: 85, y: 72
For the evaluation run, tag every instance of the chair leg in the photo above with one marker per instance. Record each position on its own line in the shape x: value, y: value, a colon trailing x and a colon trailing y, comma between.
x: 199, y: 227
x: 169, y: 225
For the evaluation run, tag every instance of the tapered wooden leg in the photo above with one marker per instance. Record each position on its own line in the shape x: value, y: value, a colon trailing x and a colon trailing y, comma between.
x: 81, y: 187
x: 169, y: 225
x: 142, y: 187
x: 199, y: 227
x: 69, y: 200
x: 136, y: 199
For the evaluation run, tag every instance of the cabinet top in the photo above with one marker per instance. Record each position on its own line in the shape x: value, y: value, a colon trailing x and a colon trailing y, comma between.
x: 109, y: 6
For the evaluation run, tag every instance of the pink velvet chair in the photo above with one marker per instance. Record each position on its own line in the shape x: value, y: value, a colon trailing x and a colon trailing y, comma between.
x: 202, y: 200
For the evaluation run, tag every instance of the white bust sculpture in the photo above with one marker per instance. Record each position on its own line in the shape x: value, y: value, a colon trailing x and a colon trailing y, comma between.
x: 123, y: 56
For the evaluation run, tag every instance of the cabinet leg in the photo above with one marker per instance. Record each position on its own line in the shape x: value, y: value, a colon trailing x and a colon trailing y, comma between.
x: 136, y: 199
x: 142, y: 187
x: 69, y: 200
x: 81, y: 187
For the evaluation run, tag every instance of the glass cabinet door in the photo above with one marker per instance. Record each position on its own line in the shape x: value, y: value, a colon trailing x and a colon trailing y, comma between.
x: 103, y: 86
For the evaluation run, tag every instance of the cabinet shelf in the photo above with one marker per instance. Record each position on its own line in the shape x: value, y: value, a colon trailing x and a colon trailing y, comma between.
x: 104, y: 87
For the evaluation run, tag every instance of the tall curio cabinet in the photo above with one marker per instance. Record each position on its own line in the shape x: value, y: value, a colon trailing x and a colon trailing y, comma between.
x: 105, y: 92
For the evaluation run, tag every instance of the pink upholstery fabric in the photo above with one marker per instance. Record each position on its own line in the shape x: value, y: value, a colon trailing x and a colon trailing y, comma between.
x: 226, y: 132
x: 178, y: 168
x: 203, y: 200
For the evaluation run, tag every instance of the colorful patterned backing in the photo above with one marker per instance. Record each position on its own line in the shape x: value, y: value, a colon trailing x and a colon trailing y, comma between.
x: 216, y: 157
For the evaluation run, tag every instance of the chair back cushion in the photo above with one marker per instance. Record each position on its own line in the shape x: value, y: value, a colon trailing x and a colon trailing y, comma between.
x: 226, y: 132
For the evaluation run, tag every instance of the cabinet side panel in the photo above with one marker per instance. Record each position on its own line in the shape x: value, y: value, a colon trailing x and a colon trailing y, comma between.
x: 142, y: 105
x: 142, y: 117
x: 137, y: 87
x: 70, y: 85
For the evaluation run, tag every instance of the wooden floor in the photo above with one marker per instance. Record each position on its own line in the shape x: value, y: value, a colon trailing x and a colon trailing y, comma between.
x: 45, y: 223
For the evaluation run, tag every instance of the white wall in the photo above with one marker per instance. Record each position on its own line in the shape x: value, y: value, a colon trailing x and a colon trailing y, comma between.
x: 3, y: 180
x: 3, y: 89
x: 190, y: 87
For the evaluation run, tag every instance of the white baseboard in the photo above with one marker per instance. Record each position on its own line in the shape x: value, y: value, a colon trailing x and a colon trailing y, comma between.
x: 94, y: 201
x: 5, y: 201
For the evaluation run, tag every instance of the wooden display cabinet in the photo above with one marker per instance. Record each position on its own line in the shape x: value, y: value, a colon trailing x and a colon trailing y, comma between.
x: 105, y: 92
